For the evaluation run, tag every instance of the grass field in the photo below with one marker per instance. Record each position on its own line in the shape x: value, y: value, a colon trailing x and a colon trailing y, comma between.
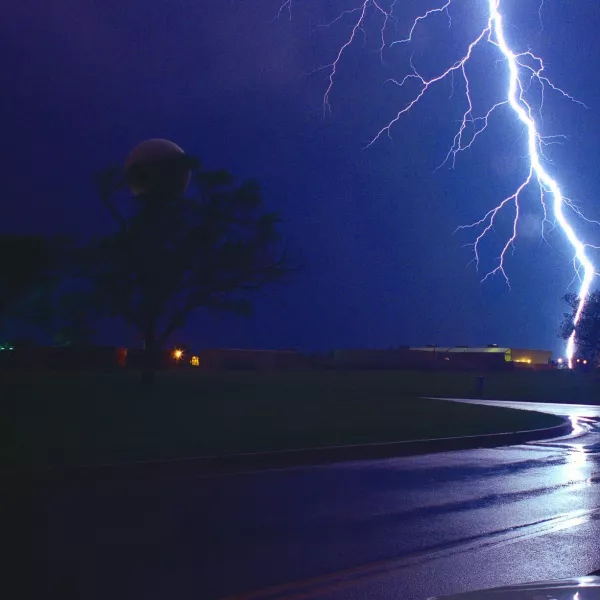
x: 59, y: 419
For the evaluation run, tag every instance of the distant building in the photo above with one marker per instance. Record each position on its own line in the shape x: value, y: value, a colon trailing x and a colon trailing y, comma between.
x: 465, y: 350
x: 428, y: 358
x: 371, y: 359
x: 231, y: 359
x: 533, y: 357
x: 76, y: 358
x: 515, y: 355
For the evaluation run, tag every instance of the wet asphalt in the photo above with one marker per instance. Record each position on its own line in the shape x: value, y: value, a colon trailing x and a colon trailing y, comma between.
x: 397, y: 528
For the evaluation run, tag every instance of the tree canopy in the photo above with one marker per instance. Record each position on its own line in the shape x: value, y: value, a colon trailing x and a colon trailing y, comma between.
x: 28, y: 262
x: 174, y: 255
x: 588, y: 327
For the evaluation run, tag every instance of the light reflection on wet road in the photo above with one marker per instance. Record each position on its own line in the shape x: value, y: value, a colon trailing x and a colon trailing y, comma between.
x: 396, y: 528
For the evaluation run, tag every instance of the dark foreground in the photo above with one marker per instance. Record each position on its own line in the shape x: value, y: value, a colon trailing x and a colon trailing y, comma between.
x: 71, y: 419
x: 405, y: 528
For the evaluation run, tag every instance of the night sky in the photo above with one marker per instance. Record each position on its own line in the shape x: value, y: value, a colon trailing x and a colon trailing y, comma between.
x: 84, y: 81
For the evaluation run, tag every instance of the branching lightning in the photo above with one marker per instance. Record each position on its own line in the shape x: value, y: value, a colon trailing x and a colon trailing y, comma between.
x: 523, y: 69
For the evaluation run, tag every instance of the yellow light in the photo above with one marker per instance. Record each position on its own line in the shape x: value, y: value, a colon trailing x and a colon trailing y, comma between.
x: 177, y: 354
x: 195, y: 361
x: 528, y: 361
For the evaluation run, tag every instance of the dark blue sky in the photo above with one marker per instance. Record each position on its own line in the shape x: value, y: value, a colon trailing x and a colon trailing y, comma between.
x: 83, y: 81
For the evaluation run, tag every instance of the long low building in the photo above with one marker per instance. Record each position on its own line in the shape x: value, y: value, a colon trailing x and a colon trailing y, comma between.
x: 232, y: 359
x: 533, y: 357
x: 411, y: 358
x: 517, y: 355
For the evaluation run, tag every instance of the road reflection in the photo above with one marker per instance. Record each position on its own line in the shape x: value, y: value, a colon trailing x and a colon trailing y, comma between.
x: 577, y: 465
x: 577, y: 425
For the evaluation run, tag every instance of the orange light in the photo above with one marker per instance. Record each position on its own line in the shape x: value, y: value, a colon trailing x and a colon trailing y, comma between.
x: 177, y: 354
x: 195, y: 361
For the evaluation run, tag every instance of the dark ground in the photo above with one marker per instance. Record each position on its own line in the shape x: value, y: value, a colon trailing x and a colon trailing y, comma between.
x: 91, y: 419
x: 396, y: 529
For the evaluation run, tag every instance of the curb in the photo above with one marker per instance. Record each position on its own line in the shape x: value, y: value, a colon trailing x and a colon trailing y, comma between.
x: 239, y: 463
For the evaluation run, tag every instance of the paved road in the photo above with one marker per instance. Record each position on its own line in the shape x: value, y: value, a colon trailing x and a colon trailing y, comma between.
x: 398, y: 528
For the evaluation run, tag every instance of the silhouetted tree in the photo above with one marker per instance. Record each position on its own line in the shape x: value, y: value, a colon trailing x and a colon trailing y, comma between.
x: 28, y: 262
x: 50, y: 292
x: 588, y: 327
x: 68, y: 316
x: 175, y: 255
x: 76, y: 319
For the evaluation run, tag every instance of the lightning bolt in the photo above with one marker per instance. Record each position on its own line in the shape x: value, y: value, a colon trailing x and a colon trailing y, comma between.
x: 523, y: 70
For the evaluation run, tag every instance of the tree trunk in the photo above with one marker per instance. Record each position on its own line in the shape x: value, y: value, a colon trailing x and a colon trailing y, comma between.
x: 151, y: 361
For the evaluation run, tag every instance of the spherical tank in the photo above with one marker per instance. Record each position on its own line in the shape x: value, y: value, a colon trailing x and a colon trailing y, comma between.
x: 157, y: 166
